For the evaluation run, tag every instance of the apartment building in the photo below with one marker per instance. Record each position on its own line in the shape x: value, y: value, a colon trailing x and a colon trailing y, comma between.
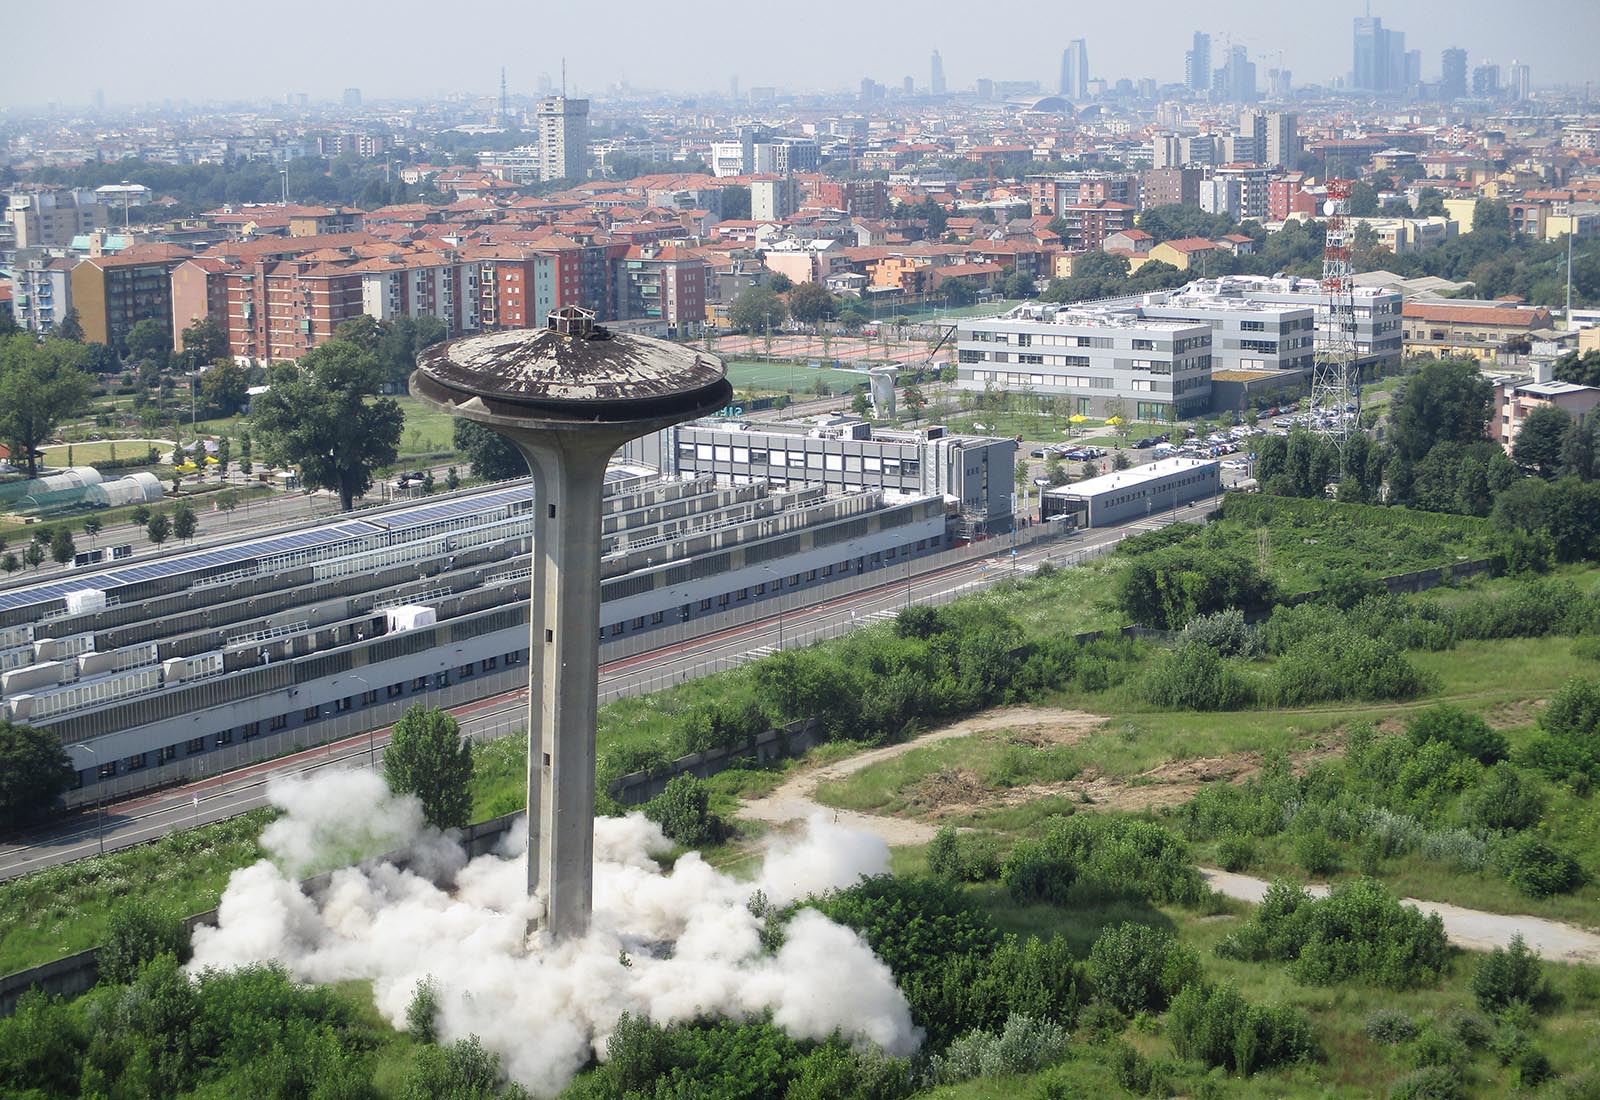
x: 664, y: 284
x: 1153, y: 369
x: 1251, y: 183
x: 1171, y: 186
x: 1516, y: 398
x: 51, y: 217
x: 41, y: 291
x: 422, y: 284
x: 563, y: 128
x: 114, y: 293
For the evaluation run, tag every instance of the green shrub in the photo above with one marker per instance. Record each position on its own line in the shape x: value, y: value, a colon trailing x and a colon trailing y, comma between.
x: 1104, y: 857
x: 1507, y: 975
x: 1215, y: 1025
x: 963, y: 857
x: 1587, y: 647
x: 1167, y: 588
x: 1236, y: 852
x: 1429, y: 1083
x: 682, y: 810
x: 1225, y: 633
x: 1389, y: 1026
x: 1194, y: 677
x: 1132, y: 1070
x: 1344, y: 665
x: 1315, y: 853
x: 1025, y: 1045
x: 1569, y: 742
x: 1467, y: 733
x: 139, y: 932
x: 1136, y: 967
x: 1537, y: 868
x: 422, y: 1012
x: 1359, y: 931
x: 1505, y: 800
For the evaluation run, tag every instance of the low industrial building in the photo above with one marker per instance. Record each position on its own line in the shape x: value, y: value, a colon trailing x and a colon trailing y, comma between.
x: 1130, y: 495
x: 185, y: 664
x: 974, y: 474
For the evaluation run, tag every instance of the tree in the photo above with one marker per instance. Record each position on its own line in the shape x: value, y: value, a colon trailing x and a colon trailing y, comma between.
x: 780, y: 283
x: 34, y: 770
x: 149, y: 341
x: 61, y: 548
x: 100, y: 359
x: 40, y: 384
x: 1578, y: 453
x: 1491, y: 214
x: 139, y: 932
x: 811, y: 302
x: 204, y: 341
x: 245, y: 465
x: 756, y: 309
x: 489, y: 454
x: 427, y: 757
x: 33, y: 556
x: 10, y: 564
x: 1447, y: 400
x: 70, y: 328
x: 91, y: 526
x: 1539, y: 441
x: 914, y: 400
x: 224, y: 387
x: 184, y: 522
x: 227, y: 501
x: 318, y: 416
x: 224, y: 457
x: 860, y: 405
x: 159, y: 528
x: 452, y: 480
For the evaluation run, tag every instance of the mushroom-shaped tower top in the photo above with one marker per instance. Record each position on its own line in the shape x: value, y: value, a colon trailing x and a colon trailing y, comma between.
x: 571, y: 370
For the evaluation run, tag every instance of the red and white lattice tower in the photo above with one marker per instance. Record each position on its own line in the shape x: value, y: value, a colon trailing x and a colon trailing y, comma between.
x: 1335, y: 376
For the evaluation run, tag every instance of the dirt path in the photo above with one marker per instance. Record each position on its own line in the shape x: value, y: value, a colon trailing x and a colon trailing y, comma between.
x: 795, y: 800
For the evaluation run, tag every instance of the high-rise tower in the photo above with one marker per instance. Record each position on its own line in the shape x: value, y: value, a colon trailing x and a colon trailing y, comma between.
x: 1197, y: 64
x: 936, y: 74
x: 568, y: 395
x: 1075, y: 71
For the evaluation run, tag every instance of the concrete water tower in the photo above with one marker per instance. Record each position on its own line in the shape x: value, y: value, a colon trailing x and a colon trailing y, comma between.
x: 567, y: 395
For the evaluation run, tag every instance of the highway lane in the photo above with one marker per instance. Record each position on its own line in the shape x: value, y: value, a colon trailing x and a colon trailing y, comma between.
x: 148, y: 817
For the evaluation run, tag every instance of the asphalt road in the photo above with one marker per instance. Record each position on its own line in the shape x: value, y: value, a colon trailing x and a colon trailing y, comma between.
x: 145, y: 818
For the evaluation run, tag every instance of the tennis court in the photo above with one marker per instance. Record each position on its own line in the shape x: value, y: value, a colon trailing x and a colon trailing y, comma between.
x: 790, y: 377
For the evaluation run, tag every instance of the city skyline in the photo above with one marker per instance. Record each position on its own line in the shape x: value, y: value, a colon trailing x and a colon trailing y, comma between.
x: 881, y: 46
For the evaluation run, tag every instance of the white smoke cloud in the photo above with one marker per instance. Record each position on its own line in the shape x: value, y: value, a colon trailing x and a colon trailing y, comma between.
x: 692, y: 948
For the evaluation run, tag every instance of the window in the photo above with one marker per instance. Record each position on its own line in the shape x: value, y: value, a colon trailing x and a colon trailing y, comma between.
x: 368, y: 698
x: 489, y: 663
x: 705, y: 604
x: 1144, y: 345
x: 138, y: 761
x: 513, y: 659
x: 656, y: 617
x: 722, y: 600
x: 465, y: 671
x: 744, y: 593
x: 310, y: 714
x: 166, y: 753
x: 395, y: 689
x: 419, y: 684
x: 342, y: 704
x: 106, y: 771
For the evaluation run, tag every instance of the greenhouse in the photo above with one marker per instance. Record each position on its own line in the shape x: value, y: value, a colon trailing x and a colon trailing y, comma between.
x: 140, y: 488
x: 59, y: 490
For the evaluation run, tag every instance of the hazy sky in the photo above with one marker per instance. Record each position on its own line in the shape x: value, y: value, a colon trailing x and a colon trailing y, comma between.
x: 202, y: 49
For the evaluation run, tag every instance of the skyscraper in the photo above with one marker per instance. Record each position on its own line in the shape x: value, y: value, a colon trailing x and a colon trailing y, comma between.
x: 563, y: 129
x: 1453, y: 83
x: 1486, y: 81
x: 936, y: 76
x: 1075, y: 71
x: 1197, y: 63
x: 1519, y: 81
x: 1238, y: 77
x: 1379, y: 62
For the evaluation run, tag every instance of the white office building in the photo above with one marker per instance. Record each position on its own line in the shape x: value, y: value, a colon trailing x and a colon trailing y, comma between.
x: 1153, y: 369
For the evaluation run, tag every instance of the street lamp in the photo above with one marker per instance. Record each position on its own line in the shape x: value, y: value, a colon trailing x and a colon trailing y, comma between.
x: 99, y: 820
x: 372, y: 757
x: 777, y: 583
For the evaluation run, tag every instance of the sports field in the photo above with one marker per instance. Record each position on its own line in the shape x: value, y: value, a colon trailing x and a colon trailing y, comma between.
x: 790, y: 377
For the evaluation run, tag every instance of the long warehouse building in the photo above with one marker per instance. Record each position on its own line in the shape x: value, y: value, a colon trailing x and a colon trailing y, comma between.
x: 187, y: 664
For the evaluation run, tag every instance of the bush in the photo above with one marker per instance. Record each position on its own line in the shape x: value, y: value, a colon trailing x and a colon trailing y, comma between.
x: 1315, y: 853
x: 1504, y: 801
x: 1429, y: 1083
x: 138, y: 933
x: 1389, y: 1026
x: 1467, y: 733
x: 1217, y: 1026
x: 1359, y: 930
x: 1538, y: 869
x: 1507, y: 975
x: 1135, y: 967
x: 682, y: 810
x: 1225, y: 632
x: 1167, y: 588
x: 963, y: 857
x: 1570, y: 740
x: 1344, y: 665
x: 1236, y: 852
x: 1532, y: 1068
x: 1103, y: 857
x: 422, y: 1011
x: 1025, y: 1045
x: 1194, y: 677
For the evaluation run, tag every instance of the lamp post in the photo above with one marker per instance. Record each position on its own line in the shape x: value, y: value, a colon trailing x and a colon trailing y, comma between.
x: 777, y: 584
x: 372, y: 758
x: 99, y: 820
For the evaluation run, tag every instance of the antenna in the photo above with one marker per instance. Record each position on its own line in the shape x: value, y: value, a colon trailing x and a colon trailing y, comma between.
x: 1335, y: 375
x: 505, y: 105
x: 563, y: 78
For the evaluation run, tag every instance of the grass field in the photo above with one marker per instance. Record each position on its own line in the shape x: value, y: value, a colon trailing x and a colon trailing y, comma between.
x: 790, y: 377
x: 104, y: 450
